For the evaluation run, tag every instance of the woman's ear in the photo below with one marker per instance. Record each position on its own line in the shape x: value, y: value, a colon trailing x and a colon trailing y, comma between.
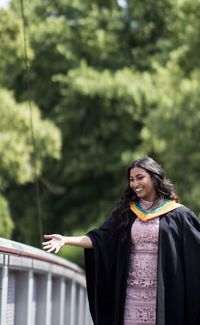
x: 155, y: 182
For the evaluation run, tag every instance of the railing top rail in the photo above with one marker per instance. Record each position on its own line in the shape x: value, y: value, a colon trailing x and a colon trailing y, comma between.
x: 15, y: 248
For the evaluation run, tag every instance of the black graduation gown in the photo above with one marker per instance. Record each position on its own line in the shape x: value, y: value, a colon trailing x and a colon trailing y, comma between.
x: 178, y: 271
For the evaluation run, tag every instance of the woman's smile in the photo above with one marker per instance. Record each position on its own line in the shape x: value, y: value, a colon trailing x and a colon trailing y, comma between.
x: 138, y: 190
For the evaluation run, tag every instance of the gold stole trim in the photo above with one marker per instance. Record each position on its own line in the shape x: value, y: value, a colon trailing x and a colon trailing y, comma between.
x: 167, y: 206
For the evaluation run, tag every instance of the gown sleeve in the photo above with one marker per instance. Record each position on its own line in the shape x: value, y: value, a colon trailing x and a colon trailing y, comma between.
x: 191, y: 253
x: 100, y: 273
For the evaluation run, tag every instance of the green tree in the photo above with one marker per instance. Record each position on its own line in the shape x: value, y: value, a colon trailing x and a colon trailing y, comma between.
x: 6, y: 223
x: 17, y: 163
x: 90, y: 60
x: 171, y: 130
x: 119, y: 82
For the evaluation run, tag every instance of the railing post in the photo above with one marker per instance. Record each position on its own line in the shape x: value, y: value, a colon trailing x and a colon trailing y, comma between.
x: 73, y: 302
x: 58, y: 301
x: 4, y: 294
x: 43, y: 297
x: 30, y: 307
x: 48, y: 299
x: 81, y: 307
x: 62, y: 300
x: 21, y: 297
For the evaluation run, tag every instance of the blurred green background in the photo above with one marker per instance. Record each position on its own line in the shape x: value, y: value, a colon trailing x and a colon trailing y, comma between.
x: 110, y: 81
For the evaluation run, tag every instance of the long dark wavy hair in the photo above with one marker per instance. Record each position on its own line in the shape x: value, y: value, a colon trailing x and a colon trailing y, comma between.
x: 163, y: 186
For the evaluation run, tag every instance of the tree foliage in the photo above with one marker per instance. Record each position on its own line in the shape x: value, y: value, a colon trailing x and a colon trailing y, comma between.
x: 17, y: 163
x: 6, y: 223
x: 119, y: 79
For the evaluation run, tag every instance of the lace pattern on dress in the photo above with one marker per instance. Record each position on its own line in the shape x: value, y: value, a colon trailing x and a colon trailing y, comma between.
x: 140, y: 306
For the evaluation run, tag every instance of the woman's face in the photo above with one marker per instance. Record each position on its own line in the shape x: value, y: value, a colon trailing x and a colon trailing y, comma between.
x: 142, y: 184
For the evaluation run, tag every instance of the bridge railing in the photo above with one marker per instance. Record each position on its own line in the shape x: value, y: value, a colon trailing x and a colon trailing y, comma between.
x: 37, y: 288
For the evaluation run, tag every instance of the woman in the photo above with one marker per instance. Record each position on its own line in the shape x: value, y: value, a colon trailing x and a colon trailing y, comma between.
x: 143, y: 263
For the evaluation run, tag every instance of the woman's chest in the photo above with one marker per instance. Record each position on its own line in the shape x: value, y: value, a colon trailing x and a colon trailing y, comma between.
x: 145, y: 232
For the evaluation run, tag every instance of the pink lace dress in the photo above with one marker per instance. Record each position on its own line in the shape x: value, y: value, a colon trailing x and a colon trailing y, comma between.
x: 140, y: 305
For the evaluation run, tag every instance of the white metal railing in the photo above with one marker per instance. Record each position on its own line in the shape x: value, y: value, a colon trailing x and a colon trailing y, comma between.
x: 37, y: 288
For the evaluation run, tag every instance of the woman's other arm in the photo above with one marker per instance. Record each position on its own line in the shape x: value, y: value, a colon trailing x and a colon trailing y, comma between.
x: 55, y: 242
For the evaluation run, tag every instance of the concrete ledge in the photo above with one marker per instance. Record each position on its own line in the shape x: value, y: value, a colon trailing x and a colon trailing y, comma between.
x: 9, y: 247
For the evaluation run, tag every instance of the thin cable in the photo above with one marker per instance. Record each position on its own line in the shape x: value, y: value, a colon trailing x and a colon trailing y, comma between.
x: 37, y: 187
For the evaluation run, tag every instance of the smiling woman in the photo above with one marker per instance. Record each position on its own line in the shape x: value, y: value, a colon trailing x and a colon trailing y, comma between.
x: 142, y: 264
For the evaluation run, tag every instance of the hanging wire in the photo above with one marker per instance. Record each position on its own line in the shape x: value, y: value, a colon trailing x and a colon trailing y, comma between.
x: 37, y: 187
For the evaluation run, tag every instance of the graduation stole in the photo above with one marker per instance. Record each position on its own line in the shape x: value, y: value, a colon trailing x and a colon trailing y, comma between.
x: 167, y: 206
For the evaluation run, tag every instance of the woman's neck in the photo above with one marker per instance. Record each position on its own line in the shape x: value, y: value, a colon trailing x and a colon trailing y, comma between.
x: 151, y: 205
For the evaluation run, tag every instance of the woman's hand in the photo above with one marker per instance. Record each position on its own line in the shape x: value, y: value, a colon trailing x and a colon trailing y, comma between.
x: 54, y: 243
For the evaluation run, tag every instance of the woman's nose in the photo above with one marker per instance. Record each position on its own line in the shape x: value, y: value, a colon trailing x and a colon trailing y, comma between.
x: 135, y: 184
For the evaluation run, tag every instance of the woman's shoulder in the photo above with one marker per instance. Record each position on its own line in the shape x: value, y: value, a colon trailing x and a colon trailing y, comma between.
x: 185, y: 214
x: 182, y: 211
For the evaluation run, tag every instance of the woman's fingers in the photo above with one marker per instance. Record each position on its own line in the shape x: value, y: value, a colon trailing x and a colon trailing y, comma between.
x: 47, y: 246
x: 49, y: 236
x: 51, y: 249
x: 46, y: 243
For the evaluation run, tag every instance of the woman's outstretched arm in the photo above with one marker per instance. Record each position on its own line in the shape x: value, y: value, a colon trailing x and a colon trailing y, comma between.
x: 55, y: 242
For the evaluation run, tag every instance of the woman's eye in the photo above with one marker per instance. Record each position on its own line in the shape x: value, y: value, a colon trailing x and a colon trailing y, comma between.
x: 137, y: 179
x: 140, y: 177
